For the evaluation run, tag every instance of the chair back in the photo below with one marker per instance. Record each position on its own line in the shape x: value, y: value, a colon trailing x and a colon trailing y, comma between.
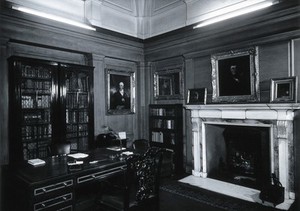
x: 60, y: 149
x: 140, y: 144
x: 106, y: 140
x: 143, y: 173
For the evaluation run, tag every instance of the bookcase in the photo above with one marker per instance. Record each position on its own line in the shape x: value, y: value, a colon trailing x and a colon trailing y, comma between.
x: 50, y: 102
x: 165, y: 123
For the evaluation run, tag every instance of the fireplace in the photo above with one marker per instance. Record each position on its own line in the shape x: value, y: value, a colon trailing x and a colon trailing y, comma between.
x: 243, y: 144
x: 238, y: 154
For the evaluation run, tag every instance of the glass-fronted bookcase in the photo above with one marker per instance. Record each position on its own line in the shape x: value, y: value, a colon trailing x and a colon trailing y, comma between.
x: 166, y: 128
x: 50, y: 102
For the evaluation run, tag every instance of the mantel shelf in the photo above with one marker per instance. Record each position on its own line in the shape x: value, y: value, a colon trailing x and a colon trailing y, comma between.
x: 258, y: 106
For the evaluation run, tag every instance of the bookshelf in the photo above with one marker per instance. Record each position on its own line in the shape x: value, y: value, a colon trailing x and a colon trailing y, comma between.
x: 165, y: 123
x: 50, y: 102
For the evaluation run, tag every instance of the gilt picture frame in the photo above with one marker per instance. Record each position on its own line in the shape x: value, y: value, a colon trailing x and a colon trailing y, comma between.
x: 235, y: 76
x: 284, y: 90
x: 197, y: 96
x: 168, y: 83
x: 120, y: 92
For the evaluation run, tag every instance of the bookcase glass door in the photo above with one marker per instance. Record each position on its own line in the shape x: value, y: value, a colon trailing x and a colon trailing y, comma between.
x: 50, y: 102
x: 36, y: 90
x: 77, y: 109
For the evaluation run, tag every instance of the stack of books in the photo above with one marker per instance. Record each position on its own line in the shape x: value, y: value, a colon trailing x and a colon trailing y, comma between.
x: 36, y: 162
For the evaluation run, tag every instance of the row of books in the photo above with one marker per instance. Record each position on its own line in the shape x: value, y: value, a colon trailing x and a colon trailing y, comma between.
x: 162, y: 112
x: 160, y: 137
x: 36, y: 85
x: 38, y: 116
x: 30, y: 132
x: 166, y: 124
x: 40, y: 101
x: 35, y: 149
x: 77, y: 101
x: 71, y: 116
x: 36, y: 72
x: 77, y: 84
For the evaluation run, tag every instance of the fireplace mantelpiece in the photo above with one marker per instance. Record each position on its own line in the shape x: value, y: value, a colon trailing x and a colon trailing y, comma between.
x: 279, y: 118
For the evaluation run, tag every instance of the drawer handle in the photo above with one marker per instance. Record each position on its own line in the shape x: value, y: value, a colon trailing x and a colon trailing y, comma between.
x: 44, y: 190
x: 43, y: 205
x: 64, y: 198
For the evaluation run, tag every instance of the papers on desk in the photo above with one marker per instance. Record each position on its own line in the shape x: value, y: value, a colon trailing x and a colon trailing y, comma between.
x: 115, y: 148
x: 75, y: 163
x: 127, y: 153
x: 36, y: 162
x: 78, y: 155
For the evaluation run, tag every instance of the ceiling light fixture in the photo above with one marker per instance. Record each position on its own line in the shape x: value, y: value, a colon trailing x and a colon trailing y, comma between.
x: 53, y: 17
x: 234, y: 11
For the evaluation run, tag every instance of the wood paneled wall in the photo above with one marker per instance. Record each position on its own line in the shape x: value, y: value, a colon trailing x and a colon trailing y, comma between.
x: 276, y: 34
x: 27, y: 36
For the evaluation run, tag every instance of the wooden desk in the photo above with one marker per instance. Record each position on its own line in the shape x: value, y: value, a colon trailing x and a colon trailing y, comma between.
x: 54, y: 187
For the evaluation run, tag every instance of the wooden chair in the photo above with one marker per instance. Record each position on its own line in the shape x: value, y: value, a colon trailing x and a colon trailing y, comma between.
x: 167, y: 166
x: 108, y: 140
x: 58, y: 149
x: 140, y: 190
x: 141, y: 144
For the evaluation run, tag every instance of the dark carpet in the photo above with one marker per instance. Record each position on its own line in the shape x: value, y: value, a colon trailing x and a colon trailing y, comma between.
x: 212, y: 199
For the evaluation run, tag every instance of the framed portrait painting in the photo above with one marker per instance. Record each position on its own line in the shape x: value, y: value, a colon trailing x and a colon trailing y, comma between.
x: 197, y: 96
x: 284, y: 90
x: 168, y: 83
x: 120, y: 91
x: 235, y: 76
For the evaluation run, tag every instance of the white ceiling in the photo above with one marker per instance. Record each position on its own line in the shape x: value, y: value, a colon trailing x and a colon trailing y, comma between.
x: 137, y: 18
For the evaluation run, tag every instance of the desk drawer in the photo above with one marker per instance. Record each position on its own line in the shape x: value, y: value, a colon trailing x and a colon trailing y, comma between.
x: 67, y: 208
x: 50, y: 203
x: 52, y: 187
x: 101, y: 174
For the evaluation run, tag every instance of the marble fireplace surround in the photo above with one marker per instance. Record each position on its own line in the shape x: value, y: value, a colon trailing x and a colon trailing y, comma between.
x: 279, y: 118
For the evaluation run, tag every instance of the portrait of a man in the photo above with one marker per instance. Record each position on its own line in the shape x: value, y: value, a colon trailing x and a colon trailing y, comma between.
x: 234, y: 76
x: 119, y: 92
x: 165, y: 85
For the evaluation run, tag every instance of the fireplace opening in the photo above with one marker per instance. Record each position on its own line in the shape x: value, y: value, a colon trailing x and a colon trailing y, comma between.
x: 238, y: 154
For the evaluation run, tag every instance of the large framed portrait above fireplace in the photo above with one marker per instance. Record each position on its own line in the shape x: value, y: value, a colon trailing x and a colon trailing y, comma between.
x: 235, y: 76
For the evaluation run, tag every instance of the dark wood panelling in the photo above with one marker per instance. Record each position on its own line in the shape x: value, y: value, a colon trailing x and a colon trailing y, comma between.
x: 271, y: 30
x: 277, y: 23
x: 29, y: 36
x: 273, y: 63
x: 296, y: 60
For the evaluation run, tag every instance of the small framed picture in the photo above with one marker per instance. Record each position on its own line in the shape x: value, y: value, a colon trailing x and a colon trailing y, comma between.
x: 197, y: 96
x: 284, y: 90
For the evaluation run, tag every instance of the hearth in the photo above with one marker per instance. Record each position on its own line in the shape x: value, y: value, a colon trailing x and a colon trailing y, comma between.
x: 245, y: 157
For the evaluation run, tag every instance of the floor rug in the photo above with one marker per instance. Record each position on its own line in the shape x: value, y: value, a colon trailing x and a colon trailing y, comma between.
x: 213, y: 199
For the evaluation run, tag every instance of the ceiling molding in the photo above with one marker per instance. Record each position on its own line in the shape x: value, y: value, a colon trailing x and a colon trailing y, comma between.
x: 137, y: 18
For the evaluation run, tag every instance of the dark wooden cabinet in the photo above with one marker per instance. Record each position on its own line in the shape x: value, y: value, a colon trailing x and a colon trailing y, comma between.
x: 166, y: 130
x: 50, y: 102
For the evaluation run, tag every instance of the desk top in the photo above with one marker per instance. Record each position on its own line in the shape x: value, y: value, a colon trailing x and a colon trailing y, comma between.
x: 57, y: 167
